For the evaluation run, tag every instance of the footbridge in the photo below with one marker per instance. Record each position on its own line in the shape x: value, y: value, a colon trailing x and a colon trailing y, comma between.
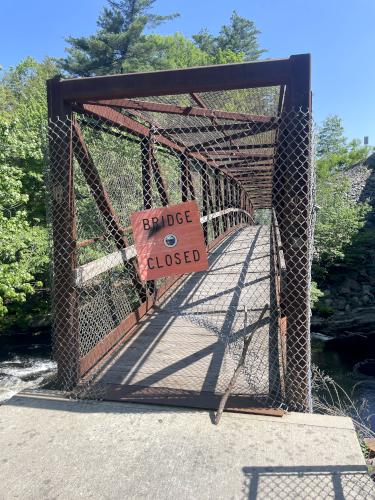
x: 235, y: 139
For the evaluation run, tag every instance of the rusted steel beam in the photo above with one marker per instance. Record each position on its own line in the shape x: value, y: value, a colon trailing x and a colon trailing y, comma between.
x: 255, y: 181
x: 205, y: 187
x: 64, y: 230
x: 214, y: 128
x: 160, y: 182
x: 215, y: 221
x: 97, y: 188
x: 124, y: 122
x: 295, y: 204
x: 146, y: 160
x: 252, y: 130
x: 280, y: 105
x: 233, y: 166
x: 103, y: 202
x: 180, y: 81
x: 244, y: 175
x: 228, y: 160
x: 198, y: 100
x: 235, y: 147
x: 229, y: 155
x: 226, y: 201
x: 187, y: 186
x: 174, y: 109
x: 219, y: 202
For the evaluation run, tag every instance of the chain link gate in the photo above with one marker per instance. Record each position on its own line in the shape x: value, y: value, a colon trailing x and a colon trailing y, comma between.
x: 244, y: 155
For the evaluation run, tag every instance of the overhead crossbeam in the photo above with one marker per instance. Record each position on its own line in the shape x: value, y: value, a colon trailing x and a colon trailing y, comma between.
x: 252, y: 130
x: 174, y: 109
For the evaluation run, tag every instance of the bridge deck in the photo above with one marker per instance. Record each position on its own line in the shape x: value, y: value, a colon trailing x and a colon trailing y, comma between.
x: 186, y: 350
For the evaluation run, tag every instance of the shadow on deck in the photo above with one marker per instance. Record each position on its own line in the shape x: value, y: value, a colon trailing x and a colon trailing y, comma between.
x: 185, y: 351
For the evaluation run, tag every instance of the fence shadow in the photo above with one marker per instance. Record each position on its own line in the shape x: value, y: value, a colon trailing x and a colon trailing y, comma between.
x: 339, y: 482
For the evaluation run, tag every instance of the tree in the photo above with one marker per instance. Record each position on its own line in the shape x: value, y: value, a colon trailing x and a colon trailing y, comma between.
x: 24, y: 256
x: 117, y: 41
x: 339, y: 217
x: 23, y: 250
x: 240, y: 37
x: 331, y: 138
x: 338, y: 221
x: 120, y: 44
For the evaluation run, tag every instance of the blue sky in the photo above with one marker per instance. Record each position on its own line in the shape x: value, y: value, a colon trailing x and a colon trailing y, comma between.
x: 338, y: 33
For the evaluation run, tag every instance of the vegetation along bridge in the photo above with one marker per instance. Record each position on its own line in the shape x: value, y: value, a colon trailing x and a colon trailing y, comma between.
x: 234, y: 141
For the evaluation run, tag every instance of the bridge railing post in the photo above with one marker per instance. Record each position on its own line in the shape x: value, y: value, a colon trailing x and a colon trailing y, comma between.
x: 64, y: 232
x: 292, y: 203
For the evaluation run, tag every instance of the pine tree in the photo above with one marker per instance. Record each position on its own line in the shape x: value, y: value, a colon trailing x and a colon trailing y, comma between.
x: 240, y: 36
x: 115, y: 44
x: 331, y: 137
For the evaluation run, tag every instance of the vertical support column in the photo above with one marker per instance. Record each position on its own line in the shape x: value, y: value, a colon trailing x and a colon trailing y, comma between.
x: 159, y: 180
x: 187, y: 185
x: 219, y: 197
x: 184, y: 178
x: 226, y: 201
x: 204, y: 176
x: 212, y: 205
x: 146, y: 153
x: 292, y: 203
x: 147, y: 167
x: 65, y: 297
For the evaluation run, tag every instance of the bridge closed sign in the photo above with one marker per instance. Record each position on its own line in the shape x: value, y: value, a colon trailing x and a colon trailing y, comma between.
x: 169, y: 241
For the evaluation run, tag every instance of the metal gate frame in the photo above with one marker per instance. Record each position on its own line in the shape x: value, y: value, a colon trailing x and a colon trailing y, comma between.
x: 293, y: 76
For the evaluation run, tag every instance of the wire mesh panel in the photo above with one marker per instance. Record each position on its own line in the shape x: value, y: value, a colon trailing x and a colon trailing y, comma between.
x: 245, y: 159
x: 108, y: 162
x: 244, y: 156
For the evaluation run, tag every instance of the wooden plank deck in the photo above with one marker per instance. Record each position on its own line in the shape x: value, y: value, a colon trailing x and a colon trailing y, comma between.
x: 188, y: 347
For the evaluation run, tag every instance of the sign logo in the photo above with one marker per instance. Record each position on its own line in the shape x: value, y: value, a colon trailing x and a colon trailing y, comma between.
x: 169, y: 241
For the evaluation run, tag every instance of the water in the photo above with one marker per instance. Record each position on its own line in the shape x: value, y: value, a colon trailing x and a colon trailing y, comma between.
x: 350, y: 362
x: 25, y: 363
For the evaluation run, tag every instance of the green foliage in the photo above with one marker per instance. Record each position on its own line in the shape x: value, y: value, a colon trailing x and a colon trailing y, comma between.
x: 331, y: 138
x: 120, y: 44
x: 23, y: 233
x: 315, y: 294
x: 116, y: 45
x: 240, y: 37
x: 339, y: 217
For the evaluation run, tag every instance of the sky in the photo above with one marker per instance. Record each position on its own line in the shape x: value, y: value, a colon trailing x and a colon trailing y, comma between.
x: 339, y: 34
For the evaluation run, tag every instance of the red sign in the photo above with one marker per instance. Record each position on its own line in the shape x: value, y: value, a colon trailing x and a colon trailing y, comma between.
x: 169, y: 241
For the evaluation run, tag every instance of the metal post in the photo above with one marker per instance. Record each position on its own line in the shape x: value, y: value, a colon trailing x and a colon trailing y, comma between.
x: 65, y: 298
x: 292, y: 203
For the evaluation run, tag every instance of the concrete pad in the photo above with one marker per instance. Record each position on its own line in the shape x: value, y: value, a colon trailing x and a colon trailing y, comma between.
x: 54, y: 448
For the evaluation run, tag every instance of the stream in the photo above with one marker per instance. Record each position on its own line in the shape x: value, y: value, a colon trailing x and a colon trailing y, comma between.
x: 25, y: 363
x: 350, y: 361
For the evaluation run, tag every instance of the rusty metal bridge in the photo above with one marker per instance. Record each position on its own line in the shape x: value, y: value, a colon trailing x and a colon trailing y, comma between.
x: 237, y: 139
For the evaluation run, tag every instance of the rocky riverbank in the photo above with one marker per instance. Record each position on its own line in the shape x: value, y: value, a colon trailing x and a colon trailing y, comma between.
x: 348, y: 304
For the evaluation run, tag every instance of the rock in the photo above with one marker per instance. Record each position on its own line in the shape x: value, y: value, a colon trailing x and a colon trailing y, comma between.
x: 341, y: 304
x: 352, y: 284
x: 355, y: 301
x: 366, y: 289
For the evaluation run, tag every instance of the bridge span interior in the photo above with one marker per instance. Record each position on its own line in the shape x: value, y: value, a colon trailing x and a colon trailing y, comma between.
x: 236, y: 139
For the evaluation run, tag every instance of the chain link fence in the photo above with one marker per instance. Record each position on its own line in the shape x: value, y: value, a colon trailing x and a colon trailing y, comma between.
x: 247, y: 164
